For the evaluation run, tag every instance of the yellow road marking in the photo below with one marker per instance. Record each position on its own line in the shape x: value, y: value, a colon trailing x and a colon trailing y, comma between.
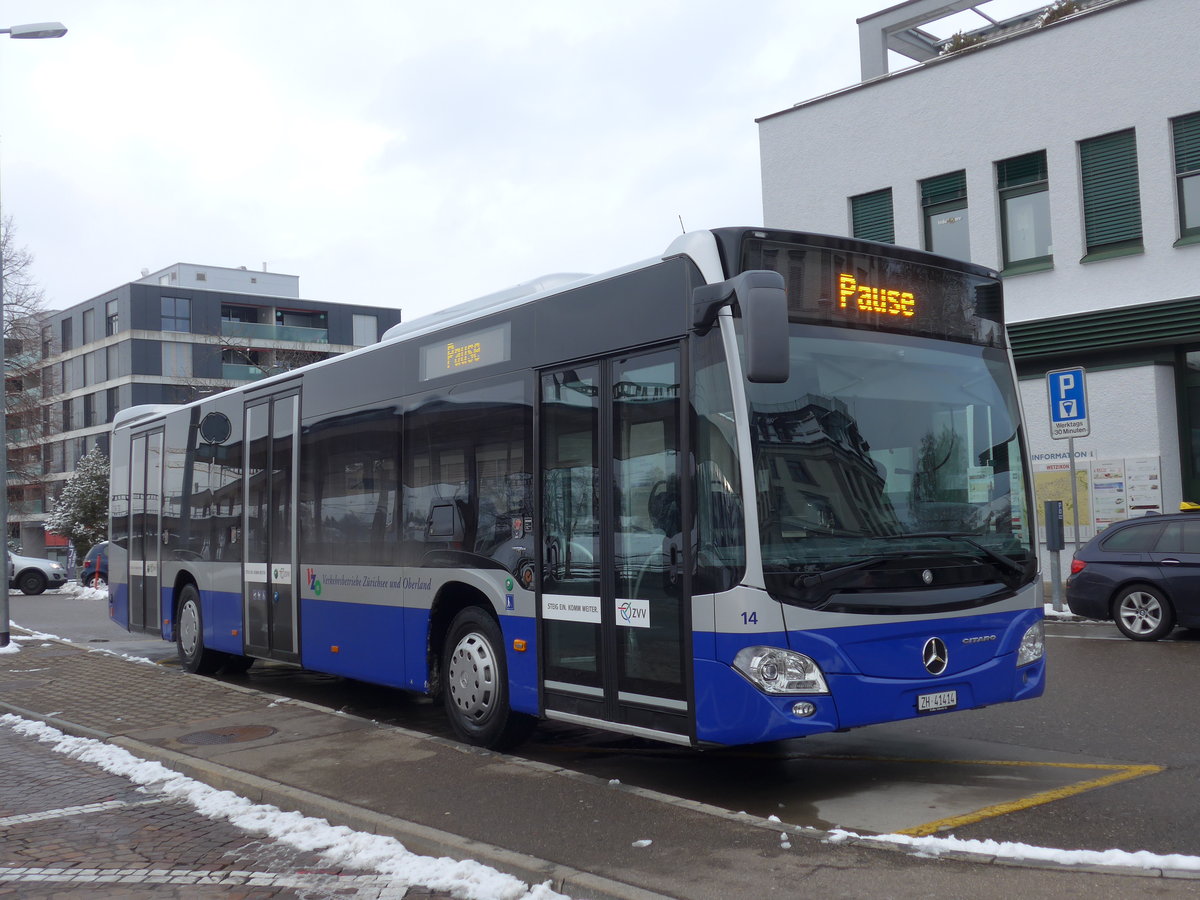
x: 1118, y: 774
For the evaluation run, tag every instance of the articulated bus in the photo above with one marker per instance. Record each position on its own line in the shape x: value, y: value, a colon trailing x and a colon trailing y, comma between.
x: 762, y: 486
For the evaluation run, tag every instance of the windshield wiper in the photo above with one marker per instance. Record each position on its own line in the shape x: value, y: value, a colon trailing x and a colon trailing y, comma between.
x: 966, y: 538
x: 811, y: 581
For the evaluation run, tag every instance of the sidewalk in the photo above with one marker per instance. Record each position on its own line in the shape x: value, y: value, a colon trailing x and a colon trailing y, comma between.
x: 531, y: 820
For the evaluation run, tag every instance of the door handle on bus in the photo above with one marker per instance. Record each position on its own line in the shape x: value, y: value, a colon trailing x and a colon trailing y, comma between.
x: 1169, y: 561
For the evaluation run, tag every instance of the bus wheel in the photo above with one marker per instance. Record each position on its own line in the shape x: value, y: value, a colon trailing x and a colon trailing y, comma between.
x: 189, y: 636
x: 475, y: 683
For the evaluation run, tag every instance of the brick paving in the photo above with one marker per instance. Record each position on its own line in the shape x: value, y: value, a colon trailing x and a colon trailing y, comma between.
x: 103, y: 692
x: 70, y: 829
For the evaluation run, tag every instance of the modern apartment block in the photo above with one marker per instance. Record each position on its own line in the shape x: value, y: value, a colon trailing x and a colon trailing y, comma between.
x: 1061, y: 147
x: 169, y: 337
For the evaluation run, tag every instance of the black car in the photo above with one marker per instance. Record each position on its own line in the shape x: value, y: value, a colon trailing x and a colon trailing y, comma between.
x: 94, y: 571
x: 1144, y: 574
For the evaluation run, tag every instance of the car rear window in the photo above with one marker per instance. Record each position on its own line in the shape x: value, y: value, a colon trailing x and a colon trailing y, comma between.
x: 1179, y: 537
x: 1134, y: 539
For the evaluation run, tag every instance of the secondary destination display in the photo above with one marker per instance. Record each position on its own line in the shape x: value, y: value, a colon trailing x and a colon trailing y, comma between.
x: 464, y: 352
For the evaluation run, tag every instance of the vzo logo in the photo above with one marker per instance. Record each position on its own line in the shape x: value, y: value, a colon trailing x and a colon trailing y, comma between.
x: 314, y: 583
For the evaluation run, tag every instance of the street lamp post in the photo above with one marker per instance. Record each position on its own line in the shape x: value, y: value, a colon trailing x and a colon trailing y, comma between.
x: 37, y: 31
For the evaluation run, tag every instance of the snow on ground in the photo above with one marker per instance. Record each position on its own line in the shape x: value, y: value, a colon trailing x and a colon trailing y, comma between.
x: 78, y: 591
x: 340, y: 846
x: 1065, y: 613
x: 935, y: 846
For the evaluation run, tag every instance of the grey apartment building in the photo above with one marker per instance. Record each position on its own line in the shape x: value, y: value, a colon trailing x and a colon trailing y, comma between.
x: 169, y: 337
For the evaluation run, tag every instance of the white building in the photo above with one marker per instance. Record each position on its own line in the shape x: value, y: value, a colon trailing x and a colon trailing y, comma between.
x: 1067, y: 156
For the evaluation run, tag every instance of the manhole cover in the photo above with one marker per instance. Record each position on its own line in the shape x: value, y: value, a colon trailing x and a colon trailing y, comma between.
x: 231, y: 734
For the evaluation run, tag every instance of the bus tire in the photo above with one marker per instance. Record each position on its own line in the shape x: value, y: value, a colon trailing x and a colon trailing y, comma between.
x: 475, y: 683
x: 189, y: 636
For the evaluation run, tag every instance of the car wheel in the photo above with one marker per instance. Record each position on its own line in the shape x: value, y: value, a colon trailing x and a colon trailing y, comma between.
x: 475, y: 683
x: 1143, y: 613
x: 189, y: 636
x: 31, y: 583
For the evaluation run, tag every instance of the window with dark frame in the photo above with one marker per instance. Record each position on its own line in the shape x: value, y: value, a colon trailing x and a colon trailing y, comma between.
x: 176, y: 314
x: 1185, y: 132
x: 944, y: 206
x: 111, y: 321
x: 871, y: 217
x: 1023, y: 185
x: 1112, y: 211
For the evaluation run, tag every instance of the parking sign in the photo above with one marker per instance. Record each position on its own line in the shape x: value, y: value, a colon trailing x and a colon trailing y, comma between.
x: 1068, y: 403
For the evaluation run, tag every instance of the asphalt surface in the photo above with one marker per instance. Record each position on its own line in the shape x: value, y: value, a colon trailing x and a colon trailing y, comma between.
x: 534, y: 820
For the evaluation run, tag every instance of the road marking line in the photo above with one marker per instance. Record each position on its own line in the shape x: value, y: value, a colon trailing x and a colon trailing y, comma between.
x: 380, y: 885
x: 65, y: 811
x: 1118, y: 774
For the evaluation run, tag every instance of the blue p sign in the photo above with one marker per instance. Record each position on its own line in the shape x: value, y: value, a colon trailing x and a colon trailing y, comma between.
x: 1067, y: 390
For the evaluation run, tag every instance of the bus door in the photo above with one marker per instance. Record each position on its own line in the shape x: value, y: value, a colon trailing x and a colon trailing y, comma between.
x: 145, y: 529
x: 615, y: 621
x: 269, y: 525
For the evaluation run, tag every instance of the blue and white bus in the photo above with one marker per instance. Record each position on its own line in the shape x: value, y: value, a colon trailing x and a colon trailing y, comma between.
x: 764, y: 485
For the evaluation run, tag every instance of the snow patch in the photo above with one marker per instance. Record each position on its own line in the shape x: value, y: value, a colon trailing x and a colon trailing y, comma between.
x: 934, y: 846
x: 340, y: 845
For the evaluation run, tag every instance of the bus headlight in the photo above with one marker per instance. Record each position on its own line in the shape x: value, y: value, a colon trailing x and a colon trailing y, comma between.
x: 779, y: 671
x: 1033, y: 645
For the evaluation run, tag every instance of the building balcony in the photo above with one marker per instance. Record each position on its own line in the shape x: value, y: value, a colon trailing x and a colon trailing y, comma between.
x: 23, y: 509
x: 236, y: 372
x: 260, y: 332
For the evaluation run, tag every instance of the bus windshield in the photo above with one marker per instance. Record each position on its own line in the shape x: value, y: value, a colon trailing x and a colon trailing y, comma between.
x: 890, y: 462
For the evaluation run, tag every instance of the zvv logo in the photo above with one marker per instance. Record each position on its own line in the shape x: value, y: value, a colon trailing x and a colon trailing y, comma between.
x: 635, y: 613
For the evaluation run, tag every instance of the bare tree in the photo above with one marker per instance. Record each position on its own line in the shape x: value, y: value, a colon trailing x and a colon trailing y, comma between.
x: 259, y: 362
x: 269, y: 362
x: 24, y: 374
x: 24, y: 300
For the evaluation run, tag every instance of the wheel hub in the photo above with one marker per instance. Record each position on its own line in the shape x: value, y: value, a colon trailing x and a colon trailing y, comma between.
x: 472, y: 681
x: 189, y: 628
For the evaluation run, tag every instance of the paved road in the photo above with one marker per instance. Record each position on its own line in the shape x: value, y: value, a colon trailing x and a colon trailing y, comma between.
x: 534, y: 820
x: 1105, y: 760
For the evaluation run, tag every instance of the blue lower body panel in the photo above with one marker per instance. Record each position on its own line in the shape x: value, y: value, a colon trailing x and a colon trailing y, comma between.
x: 874, y: 673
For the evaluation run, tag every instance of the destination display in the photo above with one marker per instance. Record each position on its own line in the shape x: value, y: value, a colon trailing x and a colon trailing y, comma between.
x: 827, y: 286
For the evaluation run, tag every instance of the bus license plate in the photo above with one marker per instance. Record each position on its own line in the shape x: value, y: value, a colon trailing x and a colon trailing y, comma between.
x: 934, y: 702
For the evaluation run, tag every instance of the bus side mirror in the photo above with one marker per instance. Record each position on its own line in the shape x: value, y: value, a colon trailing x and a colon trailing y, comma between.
x: 762, y: 300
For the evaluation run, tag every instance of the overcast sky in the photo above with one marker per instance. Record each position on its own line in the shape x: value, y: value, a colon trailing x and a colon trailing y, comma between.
x: 396, y: 153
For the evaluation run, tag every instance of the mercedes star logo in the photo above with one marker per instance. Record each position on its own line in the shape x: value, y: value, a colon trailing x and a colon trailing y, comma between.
x: 934, y: 656
x: 927, y: 577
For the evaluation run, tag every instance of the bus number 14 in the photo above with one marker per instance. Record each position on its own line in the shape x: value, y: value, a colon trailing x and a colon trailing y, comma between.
x: 750, y: 618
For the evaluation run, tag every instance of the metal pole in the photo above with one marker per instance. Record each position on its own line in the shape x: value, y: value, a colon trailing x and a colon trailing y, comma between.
x: 1074, y: 491
x: 5, y: 636
x: 37, y: 31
